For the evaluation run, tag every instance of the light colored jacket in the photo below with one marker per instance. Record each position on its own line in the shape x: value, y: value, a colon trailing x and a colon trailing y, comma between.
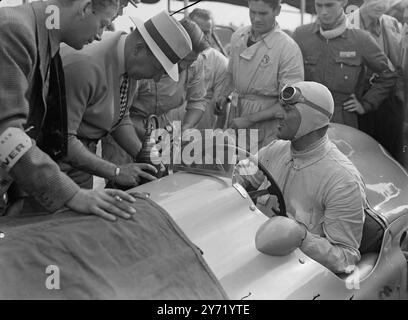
x: 166, y: 95
x: 169, y: 99
x: 323, y: 191
x: 391, y: 42
x: 258, y: 74
x: 215, y: 68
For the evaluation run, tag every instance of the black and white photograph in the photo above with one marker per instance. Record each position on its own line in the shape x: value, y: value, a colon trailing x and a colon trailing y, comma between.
x: 204, y: 156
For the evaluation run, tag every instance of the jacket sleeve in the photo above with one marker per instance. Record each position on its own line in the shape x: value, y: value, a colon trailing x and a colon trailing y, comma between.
x: 377, y: 61
x: 291, y: 69
x: 35, y: 172
x: 196, y: 87
x: 81, y: 158
x: 228, y: 81
x: 217, y: 82
x: 342, y: 227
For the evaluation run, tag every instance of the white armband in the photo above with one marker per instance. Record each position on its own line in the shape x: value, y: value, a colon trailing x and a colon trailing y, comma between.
x: 14, y: 143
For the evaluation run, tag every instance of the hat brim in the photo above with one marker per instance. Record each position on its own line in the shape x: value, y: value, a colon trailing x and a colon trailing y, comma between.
x: 134, y: 3
x: 171, y: 69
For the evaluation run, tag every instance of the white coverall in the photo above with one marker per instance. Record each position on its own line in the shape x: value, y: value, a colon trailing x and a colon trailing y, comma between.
x: 323, y: 191
x: 258, y: 73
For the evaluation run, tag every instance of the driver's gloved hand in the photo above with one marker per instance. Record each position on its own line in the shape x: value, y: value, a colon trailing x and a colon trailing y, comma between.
x: 280, y: 236
x: 248, y: 175
x: 268, y: 204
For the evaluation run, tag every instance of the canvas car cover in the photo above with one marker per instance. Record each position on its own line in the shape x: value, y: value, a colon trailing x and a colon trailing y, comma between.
x: 147, y: 257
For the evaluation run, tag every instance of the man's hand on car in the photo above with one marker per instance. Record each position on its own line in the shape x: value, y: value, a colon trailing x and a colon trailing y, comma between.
x: 131, y: 174
x: 107, y: 203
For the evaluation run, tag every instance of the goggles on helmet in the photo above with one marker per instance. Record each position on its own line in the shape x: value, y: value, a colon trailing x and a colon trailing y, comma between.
x: 293, y: 95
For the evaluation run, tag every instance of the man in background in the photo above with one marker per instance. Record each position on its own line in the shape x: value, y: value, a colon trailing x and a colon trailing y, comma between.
x: 385, y: 123
x: 263, y: 60
x: 215, y: 68
x: 205, y: 21
x: 338, y: 56
x: 122, y: 5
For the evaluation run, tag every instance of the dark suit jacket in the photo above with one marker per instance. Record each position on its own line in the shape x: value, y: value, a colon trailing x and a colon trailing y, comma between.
x: 25, y: 55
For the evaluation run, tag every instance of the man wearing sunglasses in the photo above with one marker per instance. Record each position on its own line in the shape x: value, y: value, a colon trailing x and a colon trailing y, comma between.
x: 323, y: 190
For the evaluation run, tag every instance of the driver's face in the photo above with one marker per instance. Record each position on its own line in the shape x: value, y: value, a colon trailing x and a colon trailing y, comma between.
x: 289, y: 122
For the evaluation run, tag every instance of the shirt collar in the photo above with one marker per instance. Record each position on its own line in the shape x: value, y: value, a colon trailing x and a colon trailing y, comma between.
x: 370, y: 24
x: 316, y: 29
x: 312, y: 154
x: 121, y: 54
x: 267, y: 38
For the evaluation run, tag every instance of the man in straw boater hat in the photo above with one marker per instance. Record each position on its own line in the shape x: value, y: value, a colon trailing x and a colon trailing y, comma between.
x: 101, y: 80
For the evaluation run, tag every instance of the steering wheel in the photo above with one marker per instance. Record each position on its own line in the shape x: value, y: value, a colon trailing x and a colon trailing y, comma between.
x: 273, y: 188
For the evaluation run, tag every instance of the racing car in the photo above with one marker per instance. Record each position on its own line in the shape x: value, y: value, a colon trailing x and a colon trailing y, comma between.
x: 194, y: 238
x: 220, y: 217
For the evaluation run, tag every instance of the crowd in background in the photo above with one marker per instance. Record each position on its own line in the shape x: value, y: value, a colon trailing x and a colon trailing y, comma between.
x: 369, y: 86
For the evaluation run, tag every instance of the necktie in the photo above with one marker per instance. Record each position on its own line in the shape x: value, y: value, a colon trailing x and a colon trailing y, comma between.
x: 123, y: 91
x: 54, y: 130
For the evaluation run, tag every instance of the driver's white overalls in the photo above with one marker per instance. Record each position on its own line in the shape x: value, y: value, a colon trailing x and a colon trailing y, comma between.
x: 324, y: 191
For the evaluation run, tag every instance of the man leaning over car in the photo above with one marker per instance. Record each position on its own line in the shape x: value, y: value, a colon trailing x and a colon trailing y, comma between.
x: 33, y: 110
x: 101, y: 80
